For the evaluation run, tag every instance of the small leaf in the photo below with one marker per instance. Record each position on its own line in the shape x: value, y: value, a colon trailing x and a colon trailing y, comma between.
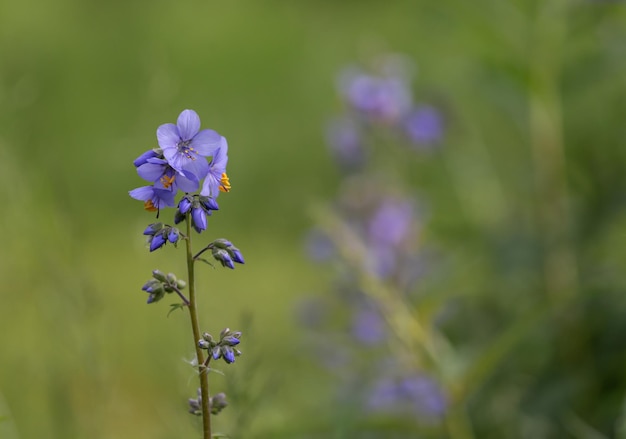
x: 205, y: 261
x: 175, y: 306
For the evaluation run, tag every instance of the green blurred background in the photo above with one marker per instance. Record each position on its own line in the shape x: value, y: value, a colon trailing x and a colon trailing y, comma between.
x: 83, y: 87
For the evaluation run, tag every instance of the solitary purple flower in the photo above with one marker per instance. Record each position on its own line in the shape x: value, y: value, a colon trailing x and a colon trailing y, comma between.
x: 424, y: 125
x: 185, y: 146
x: 216, y: 180
x: 154, y: 199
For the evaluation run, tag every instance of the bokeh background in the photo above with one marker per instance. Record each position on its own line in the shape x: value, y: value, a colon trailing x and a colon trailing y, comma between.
x: 534, y: 96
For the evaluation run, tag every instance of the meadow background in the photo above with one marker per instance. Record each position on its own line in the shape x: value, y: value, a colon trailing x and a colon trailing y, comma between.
x: 83, y: 87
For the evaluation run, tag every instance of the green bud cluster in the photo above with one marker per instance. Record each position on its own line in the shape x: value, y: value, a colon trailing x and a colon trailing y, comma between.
x: 160, y: 284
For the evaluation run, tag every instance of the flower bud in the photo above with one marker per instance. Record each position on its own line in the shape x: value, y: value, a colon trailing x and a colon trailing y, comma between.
x: 229, y: 340
x: 236, y: 334
x: 199, y: 219
x: 217, y: 353
x: 222, y: 243
x: 157, y: 242
x: 152, y: 286
x: 171, y: 278
x: 152, y: 229
x: 224, y: 332
x: 143, y: 158
x: 224, y: 258
x: 208, y: 337
x: 158, y: 275
x: 179, y: 217
x: 173, y: 235
x: 203, y: 344
x: 217, y: 403
x: 184, y: 205
x: 209, y: 203
x: 228, y: 354
x: 236, y: 255
x: 181, y: 284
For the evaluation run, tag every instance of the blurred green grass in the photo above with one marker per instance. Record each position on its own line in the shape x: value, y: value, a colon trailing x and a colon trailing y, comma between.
x: 83, y: 87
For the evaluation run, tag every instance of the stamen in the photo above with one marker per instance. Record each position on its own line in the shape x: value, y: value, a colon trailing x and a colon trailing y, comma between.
x: 225, y: 183
x: 149, y: 206
x: 168, y: 181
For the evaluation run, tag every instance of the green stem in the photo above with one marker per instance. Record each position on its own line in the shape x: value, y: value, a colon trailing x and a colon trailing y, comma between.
x: 193, y: 314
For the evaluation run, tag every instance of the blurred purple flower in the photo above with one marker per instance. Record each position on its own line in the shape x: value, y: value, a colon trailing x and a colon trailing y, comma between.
x: 368, y: 326
x: 380, y: 97
x: 424, y: 125
x: 415, y: 395
x: 346, y: 142
x: 425, y: 394
x: 392, y: 223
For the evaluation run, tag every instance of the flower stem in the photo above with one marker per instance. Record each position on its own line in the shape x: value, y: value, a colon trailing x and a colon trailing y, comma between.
x: 193, y: 314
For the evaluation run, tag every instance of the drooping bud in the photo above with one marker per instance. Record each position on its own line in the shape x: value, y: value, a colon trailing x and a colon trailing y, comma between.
x: 157, y: 242
x: 209, y: 203
x: 184, y: 205
x: 228, y: 354
x: 199, y: 219
x: 152, y: 229
x: 173, y: 235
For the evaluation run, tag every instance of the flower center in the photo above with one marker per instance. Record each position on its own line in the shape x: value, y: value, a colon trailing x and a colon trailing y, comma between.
x: 225, y: 183
x: 187, y: 150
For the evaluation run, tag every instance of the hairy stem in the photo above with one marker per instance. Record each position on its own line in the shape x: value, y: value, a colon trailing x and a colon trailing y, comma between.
x: 193, y: 314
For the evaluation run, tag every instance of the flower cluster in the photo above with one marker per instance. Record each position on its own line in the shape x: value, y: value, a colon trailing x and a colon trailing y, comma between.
x: 217, y: 403
x: 374, y: 238
x: 381, y: 97
x: 180, y: 163
x: 224, y: 348
x: 161, y: 284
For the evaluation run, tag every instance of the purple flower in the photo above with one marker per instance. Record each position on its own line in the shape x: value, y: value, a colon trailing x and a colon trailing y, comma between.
x: 185, y: 146
x: 424, y: 125
x: 216, y: 179
x: 154, y: 199
x: 160, y: 172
